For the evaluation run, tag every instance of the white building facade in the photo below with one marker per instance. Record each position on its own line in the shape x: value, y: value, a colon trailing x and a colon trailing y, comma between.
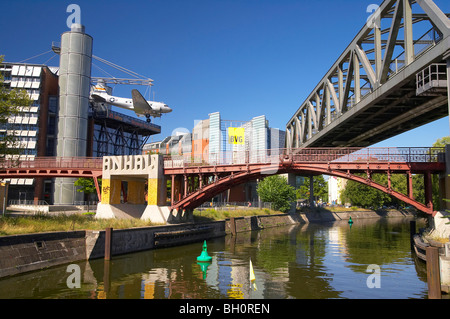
x: 34, y: 126
x: 335, y: 187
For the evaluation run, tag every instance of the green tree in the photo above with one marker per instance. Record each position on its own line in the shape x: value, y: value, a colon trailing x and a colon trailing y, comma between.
x: 320, y: 187
x: 365, y: 196
x: 441, y: 142
x: 12, y: 101
x: 275, y: 189
x: 87, y: 186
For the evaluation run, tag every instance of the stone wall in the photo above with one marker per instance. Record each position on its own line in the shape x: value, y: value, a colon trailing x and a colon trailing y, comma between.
x: 355, y: 215
x: 23, y: 253
x: 249, y: 223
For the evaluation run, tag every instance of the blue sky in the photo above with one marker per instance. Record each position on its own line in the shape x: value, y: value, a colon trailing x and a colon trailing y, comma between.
x: 242, y: 58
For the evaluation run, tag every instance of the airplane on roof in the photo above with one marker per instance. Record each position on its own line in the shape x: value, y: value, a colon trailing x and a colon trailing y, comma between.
x: 137, y: 103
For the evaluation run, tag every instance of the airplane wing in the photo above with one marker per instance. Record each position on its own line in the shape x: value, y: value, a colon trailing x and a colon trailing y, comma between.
x: 139, y: 103
x: 98, y: 98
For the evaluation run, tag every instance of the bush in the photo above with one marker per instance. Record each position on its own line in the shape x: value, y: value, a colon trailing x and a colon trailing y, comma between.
x: 275, y: 189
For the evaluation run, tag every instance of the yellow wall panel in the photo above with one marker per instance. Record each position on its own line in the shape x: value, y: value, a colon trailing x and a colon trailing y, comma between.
x: 152, y: 191
x: 136, y: 192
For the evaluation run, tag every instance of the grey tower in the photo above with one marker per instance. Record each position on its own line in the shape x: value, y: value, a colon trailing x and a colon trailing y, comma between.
x: 74, y: 87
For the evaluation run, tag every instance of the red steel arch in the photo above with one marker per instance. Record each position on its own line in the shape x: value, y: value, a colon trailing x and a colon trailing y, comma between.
x: 427, y: 163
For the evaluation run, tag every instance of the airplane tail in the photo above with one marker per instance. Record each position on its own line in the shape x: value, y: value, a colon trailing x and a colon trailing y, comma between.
x: 99, y: 92
x: 99, y: 89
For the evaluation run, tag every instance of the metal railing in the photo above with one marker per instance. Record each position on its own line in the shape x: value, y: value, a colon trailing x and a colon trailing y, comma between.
x: 235, y: 205
x: 431, y: 77
x: 55, y: 163
x: 312, y: 155
x: 27, y: 202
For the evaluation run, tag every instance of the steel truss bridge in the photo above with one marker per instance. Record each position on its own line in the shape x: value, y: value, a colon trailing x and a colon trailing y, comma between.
x: 390, y: 79
x: 199, y: 182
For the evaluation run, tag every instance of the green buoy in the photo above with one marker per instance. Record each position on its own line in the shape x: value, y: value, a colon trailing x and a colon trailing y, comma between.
x: 204, y: 255
x: 350, y: 221
x: 204, y: 267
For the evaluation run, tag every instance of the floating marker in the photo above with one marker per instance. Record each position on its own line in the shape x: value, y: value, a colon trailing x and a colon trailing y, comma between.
x: 204, y: 255
x: 252, y: 276
x: 350, y: 221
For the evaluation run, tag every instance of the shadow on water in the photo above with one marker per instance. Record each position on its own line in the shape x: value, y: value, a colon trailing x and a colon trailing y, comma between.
x: 301, y: 261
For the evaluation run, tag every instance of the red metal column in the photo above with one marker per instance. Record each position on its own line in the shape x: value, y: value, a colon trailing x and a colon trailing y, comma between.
x: 172, y: 190
x: 97, y: 187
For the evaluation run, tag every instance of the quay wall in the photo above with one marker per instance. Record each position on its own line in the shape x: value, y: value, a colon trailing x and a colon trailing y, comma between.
x: 355, y: 215
x: 22, y: 253
x: 145, y: 238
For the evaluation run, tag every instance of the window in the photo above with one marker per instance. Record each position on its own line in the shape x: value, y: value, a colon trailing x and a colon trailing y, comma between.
x: 51, y: 128
x: 50, y: 150
x: 53, y: 104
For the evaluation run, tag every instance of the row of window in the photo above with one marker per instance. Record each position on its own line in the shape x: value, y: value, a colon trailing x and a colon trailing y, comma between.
x: 22, y: 79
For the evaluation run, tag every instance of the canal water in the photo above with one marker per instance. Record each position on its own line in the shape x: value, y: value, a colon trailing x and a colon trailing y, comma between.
x: 371, y: 259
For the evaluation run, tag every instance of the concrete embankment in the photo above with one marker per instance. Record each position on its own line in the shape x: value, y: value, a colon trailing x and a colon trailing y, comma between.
x: 328, y: 216
x: 22, y: 253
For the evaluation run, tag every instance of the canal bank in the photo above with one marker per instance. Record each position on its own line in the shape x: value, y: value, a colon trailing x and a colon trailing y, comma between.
x: 23, y: 253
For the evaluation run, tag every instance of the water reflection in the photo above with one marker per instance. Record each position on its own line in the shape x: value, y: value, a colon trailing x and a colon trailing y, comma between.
x: 302, y: 261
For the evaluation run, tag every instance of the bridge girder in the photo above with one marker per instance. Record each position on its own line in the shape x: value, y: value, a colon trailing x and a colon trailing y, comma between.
x: 370, y: 92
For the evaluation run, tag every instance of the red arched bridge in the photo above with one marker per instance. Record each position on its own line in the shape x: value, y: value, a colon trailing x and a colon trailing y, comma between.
x: 197, y: 181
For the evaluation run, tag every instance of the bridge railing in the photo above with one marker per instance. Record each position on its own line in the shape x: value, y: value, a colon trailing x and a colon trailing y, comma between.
x: 313, y: 155
x: 372, y: 155
x: 269, y: 156
x: 54, y: 163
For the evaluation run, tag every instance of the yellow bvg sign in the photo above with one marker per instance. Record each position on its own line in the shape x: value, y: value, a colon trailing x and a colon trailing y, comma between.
x: 236, y: 135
